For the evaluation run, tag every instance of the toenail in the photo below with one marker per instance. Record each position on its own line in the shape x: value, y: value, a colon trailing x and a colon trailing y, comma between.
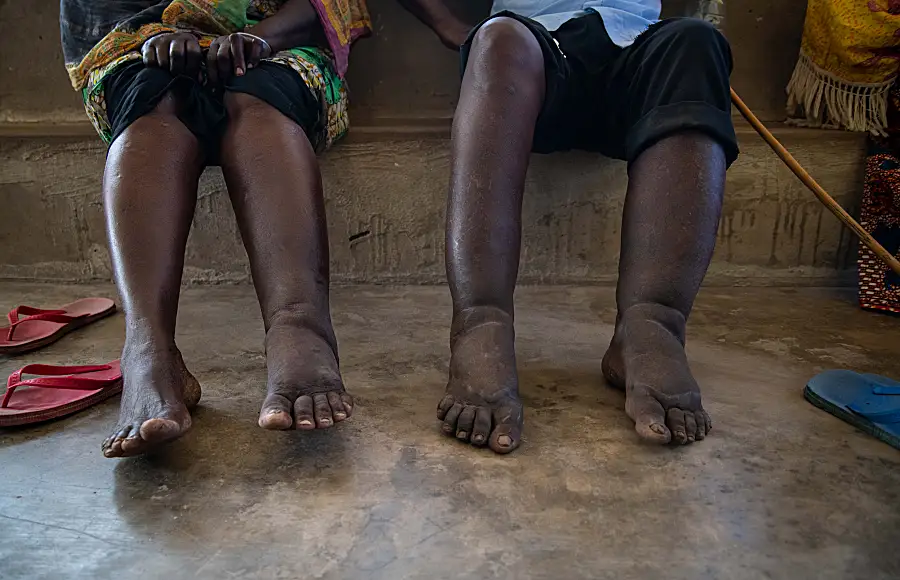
x: 461, y: 434
x: 658, y: 429
x: 478, y: 439
x: 448, y: 429
x: 305, y: 422
x: 340, y: 415
x: 325, y: 421
x: 504, y: 441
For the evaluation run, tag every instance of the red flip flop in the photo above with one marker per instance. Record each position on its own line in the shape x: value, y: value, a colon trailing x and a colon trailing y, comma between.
x: 32, y: 328
x: 56, y: 392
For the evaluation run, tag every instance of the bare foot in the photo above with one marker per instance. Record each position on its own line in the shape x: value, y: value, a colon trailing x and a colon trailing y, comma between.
x: 305, y: 389
x: 646, y: 359
x: 482, y: 403
x: 157, y: 397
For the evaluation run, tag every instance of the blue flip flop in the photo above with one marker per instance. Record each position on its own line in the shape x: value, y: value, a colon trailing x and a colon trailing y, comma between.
x: 871, y: 403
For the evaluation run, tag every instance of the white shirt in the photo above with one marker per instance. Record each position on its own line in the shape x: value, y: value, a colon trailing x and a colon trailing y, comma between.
x: 624, y: 19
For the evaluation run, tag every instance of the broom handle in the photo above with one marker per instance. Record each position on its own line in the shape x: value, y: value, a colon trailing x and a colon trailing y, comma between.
x: 811, y: 183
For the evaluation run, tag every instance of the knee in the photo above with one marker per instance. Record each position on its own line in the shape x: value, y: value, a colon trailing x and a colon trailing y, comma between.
x: 242, y: 107
x: 505, y: 49
x: 160, y: 124
x: 169, y: 106
x: 698, y: 38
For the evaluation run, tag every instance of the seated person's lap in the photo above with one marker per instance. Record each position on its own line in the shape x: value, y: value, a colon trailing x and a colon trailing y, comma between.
x: 619, y: 101
x: 136, y: 90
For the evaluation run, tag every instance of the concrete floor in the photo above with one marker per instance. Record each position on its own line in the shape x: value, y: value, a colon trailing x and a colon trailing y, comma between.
x: 779, y: 490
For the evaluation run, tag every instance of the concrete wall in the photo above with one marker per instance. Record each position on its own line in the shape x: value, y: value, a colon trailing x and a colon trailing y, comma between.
x: 385, y: 202
x: 386, y: 184
x: 401, y: 74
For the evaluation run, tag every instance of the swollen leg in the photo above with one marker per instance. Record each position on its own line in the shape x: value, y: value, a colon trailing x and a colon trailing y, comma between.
x: 502, y: 94
x: 276, y: 189
x: 150, y: 188
x: 668, y: 235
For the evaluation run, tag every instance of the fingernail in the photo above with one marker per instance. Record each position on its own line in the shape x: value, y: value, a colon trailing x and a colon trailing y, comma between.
x: 658, y: 429
x: 239, y: 72
x: 504, y: 441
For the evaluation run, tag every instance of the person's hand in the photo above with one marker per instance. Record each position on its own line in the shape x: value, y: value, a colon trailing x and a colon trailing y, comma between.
x: 178, y: 52
x: 234, y: 54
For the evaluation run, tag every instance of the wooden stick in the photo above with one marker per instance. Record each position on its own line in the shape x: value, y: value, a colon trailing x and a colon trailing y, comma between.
x: 811, y: 183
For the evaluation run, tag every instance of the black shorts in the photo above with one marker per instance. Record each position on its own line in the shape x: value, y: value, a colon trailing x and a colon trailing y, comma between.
x: 135, y: 90
x: 619, y: 101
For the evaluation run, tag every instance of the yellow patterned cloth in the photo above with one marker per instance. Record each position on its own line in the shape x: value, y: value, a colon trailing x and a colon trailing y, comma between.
x: 848, y: 62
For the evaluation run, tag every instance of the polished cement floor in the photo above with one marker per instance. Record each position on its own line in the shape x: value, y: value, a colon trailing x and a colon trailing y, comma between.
x: 779, y: 490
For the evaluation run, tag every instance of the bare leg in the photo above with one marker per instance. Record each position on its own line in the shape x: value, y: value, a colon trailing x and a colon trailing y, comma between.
x: 276, y: 189
x: 502, y: 94
x: 150, y: 188
x: 669, y: 231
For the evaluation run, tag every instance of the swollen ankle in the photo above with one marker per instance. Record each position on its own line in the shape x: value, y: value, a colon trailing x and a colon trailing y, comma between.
x: 286, y: 327
x: 668, y: 317
x: 468, y: 318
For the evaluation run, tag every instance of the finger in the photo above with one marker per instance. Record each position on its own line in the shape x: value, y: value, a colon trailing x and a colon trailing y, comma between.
x: 193, y: 56
x: 237, y: 55
x: 162, y: 56
x: 675, y: 421
x: 337, y: 406
x: 223, y: 62
x: 465, y: 423
x: 211, y: 64
x: 148, y: 55
x: 255, y: 54
x: 176, y: 55
x: 690, y: 426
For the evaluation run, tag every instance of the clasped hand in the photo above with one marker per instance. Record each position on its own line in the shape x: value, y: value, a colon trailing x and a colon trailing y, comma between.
x: 180, y: 53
